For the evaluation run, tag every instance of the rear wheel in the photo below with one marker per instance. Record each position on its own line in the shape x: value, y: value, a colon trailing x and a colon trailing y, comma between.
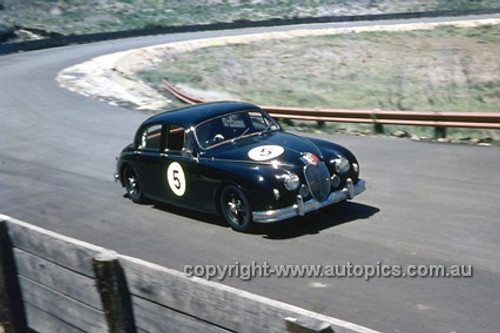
x: 132, y: 185
x: 235, y: 208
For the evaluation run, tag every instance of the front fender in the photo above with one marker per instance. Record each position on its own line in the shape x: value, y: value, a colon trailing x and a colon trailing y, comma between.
x: 331, y: 151
x: 258, y: 182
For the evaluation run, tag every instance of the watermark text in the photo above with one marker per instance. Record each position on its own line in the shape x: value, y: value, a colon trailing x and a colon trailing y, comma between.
x: 348, y: 270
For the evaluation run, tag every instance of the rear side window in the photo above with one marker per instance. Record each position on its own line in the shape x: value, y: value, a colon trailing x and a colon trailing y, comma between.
x: 175, y: 138
x: 151, y: 138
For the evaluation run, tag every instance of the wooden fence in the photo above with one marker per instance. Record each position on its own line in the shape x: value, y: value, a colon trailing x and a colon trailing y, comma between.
x: 53, y: 283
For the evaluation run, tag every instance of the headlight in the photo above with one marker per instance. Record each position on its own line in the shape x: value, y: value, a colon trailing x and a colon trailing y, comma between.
x: 292, y: 181
x: 342, y: 165
x: 355, y: 167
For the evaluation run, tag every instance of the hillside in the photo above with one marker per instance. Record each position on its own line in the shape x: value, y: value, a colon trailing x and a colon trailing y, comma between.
x: 34, y: 19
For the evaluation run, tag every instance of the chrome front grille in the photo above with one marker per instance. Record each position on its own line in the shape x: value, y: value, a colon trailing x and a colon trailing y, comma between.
x: 318, y: 180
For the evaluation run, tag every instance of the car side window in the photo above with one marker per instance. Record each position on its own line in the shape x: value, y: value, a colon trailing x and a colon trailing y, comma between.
x: 175, y: 138
x: 234, y: 121
x: 151, y: 138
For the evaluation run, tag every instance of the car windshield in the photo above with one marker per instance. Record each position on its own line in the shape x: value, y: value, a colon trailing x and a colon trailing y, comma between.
x: 232, y: 127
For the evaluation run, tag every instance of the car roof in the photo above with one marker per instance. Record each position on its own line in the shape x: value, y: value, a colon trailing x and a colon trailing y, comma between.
x: 195, y: 114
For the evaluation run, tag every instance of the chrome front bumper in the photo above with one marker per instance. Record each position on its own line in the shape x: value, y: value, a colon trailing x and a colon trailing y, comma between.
x: 300, y: 208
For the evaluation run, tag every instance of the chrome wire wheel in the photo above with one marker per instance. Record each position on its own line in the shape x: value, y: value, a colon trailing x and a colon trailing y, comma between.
x: 235, y: 208
x: 132, y: 185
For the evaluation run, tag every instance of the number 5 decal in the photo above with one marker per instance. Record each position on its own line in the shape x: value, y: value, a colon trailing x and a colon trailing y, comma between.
x: 176, y: 179
x: 177, y: 182
x: 264, y: 153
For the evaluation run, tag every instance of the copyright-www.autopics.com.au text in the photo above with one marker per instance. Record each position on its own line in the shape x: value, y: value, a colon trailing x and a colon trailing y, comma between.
x: 348, y: 270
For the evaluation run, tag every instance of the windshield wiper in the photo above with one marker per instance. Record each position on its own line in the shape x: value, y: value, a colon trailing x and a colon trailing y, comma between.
x: 267, y: 129
x: 241, y: 135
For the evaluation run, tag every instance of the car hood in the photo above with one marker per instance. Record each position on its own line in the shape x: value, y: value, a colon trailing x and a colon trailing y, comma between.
x: 263, y: 149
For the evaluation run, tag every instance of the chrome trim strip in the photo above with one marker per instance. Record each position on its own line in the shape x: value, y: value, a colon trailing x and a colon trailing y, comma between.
x: 273, y: 162
x: 302, y: 207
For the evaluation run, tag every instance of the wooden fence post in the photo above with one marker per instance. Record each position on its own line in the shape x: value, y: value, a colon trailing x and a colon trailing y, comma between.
x: 12, y: 314
x: 307, y: 325
x: 115, y: 295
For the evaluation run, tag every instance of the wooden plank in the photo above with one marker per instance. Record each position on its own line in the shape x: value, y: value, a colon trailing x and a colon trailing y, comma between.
x: 211, y: 304
x: 12, y: 315
x: 307, y: 325
x: 68, y: 252
x: 58, y: 278
x: 153, y: 318
x: 44, y: 322
x: 224, y: 306
x: 66, y: 309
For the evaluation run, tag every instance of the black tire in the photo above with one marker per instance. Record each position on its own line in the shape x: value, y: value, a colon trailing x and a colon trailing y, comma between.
x: 132, y: 185
x: 235, y: 208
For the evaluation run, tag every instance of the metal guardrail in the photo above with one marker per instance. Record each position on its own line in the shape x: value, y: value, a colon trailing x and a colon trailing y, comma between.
x: 439, y: 120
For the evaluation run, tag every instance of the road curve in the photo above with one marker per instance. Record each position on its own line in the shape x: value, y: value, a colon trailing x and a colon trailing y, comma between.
x: 425, y: 204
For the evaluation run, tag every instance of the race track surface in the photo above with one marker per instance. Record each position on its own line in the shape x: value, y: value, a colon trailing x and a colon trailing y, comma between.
x: 425, y: 204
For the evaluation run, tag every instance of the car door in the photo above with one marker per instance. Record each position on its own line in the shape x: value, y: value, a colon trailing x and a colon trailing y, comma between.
x: 180, y: 168
x: 148, y: 160
x: 189, y: 183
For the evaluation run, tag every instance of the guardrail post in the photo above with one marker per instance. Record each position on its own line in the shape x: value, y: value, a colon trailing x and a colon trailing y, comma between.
x: 115, y: 296
x: 12, y: 314
x: 307, y: 325
x: 378, y: 128
x: 439, y: 132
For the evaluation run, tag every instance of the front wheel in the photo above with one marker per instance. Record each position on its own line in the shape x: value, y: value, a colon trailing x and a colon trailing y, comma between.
x: 132, y: 186
x: 235, y: 208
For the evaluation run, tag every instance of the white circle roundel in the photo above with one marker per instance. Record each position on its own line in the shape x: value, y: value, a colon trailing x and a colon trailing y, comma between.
x: 176, y: 179
x: 264, y: 153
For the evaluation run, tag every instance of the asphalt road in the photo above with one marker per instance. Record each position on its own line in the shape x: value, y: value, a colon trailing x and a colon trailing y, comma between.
x: 425, y: 204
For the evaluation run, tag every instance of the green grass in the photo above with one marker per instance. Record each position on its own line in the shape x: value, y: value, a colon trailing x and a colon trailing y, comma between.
x: 76, y: 16
x: 442, y: 70
x: 445, y: 69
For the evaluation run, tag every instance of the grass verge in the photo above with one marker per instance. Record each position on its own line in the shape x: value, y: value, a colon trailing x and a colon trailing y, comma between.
x: 447, y: 68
